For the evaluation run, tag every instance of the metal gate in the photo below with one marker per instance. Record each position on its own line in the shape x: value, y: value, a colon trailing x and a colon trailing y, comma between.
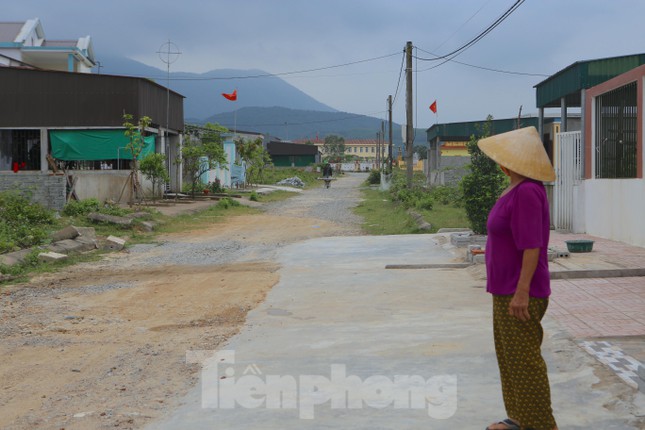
x: 569, y: 170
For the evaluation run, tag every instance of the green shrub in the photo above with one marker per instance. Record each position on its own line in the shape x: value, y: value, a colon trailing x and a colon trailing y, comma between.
x: 447, y: 195
x: 425, y: 202
x: 482, y: 186
x: 254, y: 196
x: 215, y: 186
x: 227, y: 202
x: 22, y: 223
x: 81, y: 207
x: 374, y: 178
x: 115, y: 210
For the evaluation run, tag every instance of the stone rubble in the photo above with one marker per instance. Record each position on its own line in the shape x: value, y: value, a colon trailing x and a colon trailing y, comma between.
x: 293, y: 182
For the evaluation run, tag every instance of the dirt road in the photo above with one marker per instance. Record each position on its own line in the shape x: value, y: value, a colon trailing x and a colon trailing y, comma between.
x: 102, y: 345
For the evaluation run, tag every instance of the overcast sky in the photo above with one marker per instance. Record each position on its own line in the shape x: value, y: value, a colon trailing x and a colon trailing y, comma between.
x: 540, y: 37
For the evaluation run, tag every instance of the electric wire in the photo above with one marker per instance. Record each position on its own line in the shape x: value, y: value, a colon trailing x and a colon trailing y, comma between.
x: 398, y: 82
x: 490, y: 69
x: 351, y: 116
x: 271, y: 75
x: 463, y: 25
x: 479, y: 37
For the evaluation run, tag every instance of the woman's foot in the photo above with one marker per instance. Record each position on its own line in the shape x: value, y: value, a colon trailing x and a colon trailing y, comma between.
x: 507, y: 424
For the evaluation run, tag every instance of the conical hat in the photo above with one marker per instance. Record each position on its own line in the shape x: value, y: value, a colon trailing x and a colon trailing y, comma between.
x: 520, y: 151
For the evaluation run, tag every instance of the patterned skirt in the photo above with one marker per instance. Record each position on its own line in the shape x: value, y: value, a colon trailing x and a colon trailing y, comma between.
x: 525, y: 383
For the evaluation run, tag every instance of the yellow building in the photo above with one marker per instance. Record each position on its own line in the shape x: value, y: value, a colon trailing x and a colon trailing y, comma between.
x: 364, y: 150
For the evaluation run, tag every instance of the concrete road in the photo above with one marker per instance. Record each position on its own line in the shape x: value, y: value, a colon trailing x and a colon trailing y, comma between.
x: 343, y: 343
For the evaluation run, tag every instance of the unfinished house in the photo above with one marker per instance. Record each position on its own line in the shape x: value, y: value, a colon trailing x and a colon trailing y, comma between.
x: 61, y: 133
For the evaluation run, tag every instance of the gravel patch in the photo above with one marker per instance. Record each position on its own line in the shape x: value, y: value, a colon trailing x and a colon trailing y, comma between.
x: 333, y: 204
x: 203, y: 254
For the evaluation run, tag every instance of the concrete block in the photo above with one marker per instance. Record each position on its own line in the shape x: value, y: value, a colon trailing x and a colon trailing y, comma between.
x: 114, y: 243
x: 454, y: 230
x: 110, y: 219
x: 479, y: 259
x: 66, y: 246
x: 49, y: 257
x: 460, y: 239
x: 13, y: 258
x: 88, y: 244
x: 69, y: 232
x: 144, y: 215
x: 147, y: 225
x: 87, y: 232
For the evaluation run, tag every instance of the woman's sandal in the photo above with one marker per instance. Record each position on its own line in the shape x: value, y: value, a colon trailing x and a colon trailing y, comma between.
x: 509, y: 423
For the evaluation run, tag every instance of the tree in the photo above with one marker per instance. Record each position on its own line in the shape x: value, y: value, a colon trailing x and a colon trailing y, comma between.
x: 153, y: 167
x: 203, y: 151
x: 421, y: 150
x: 334, y: 149
x: 483, y: 185
x: 256, y: 158
x: 135, y: 132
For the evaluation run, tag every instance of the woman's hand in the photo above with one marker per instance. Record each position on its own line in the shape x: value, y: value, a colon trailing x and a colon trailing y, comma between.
x: 519, y: 306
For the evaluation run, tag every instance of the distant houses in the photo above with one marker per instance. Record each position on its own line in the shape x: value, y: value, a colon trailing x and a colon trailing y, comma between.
x: 597, y: 150
x: 61, y: 127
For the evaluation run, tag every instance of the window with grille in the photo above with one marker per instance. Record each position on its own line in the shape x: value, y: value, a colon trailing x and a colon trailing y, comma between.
x: 615, y: 133
x: 21, y: 147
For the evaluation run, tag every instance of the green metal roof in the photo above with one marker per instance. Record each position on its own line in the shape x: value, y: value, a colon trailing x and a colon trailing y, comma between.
x: 461, y: 131
x: 580, y: 75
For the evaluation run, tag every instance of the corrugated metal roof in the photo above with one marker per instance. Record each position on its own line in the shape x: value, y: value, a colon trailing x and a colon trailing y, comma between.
x: 580, y: 75
x: 461, y: 131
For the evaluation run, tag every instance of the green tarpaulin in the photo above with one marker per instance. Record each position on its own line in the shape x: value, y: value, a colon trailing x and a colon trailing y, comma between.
x: 93, y: 145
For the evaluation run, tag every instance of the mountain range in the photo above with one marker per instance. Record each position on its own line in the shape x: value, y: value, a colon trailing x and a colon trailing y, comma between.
x: 266, y: 104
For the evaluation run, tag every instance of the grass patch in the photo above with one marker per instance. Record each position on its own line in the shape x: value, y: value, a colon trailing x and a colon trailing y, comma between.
x: 202, y: 219
x: 276, y: 196
x: 445, y: 216
x: 382, y: 216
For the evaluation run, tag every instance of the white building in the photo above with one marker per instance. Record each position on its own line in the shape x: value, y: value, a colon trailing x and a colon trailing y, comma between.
x: 23, y: 44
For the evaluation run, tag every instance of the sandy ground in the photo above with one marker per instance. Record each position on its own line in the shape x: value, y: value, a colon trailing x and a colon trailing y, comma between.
x: 103, y: 344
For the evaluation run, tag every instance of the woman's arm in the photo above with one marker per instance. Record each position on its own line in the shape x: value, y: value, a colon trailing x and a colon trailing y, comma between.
x: 519, y: 306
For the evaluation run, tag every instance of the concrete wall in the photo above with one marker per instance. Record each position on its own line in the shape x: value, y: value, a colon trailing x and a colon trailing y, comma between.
x: 46, y: 189
x: 450, y: 172
x: 614, y: 209
x: 107, y: 185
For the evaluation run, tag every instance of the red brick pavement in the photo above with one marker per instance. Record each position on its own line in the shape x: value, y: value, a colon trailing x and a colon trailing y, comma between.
x: 607, y: 307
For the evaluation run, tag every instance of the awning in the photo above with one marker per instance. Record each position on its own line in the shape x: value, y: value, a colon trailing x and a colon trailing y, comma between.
x: 92, y: 145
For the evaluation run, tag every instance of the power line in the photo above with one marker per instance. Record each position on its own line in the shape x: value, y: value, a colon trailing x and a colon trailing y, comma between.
x: 490, y: 69
x: 463, y: 25
x: 293, y: 72
x: 398, y: 82
x: 477, y: 38
x: 352, y: 116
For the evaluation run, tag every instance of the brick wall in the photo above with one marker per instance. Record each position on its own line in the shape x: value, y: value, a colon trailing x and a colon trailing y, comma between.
x: 47, y: 189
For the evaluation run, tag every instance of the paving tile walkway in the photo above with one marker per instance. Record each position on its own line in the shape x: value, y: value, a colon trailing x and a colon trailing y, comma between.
x: 604, y: 315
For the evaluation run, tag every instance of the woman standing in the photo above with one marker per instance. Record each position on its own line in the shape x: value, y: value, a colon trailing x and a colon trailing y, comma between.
x: 518, y: 277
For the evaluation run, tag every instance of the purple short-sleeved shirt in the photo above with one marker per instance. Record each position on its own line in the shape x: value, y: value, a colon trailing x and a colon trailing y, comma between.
x: 519, y: 220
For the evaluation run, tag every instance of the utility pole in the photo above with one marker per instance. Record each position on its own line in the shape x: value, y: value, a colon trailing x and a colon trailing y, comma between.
x: 389, y: 148
x: 378, y: 146
x: 409, y: 132
x: 380, y: 154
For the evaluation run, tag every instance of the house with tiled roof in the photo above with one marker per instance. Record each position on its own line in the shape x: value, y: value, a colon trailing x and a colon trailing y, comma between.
x: 23, y: 44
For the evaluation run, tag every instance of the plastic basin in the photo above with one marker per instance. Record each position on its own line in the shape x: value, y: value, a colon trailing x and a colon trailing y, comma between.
x: 580, y: 245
